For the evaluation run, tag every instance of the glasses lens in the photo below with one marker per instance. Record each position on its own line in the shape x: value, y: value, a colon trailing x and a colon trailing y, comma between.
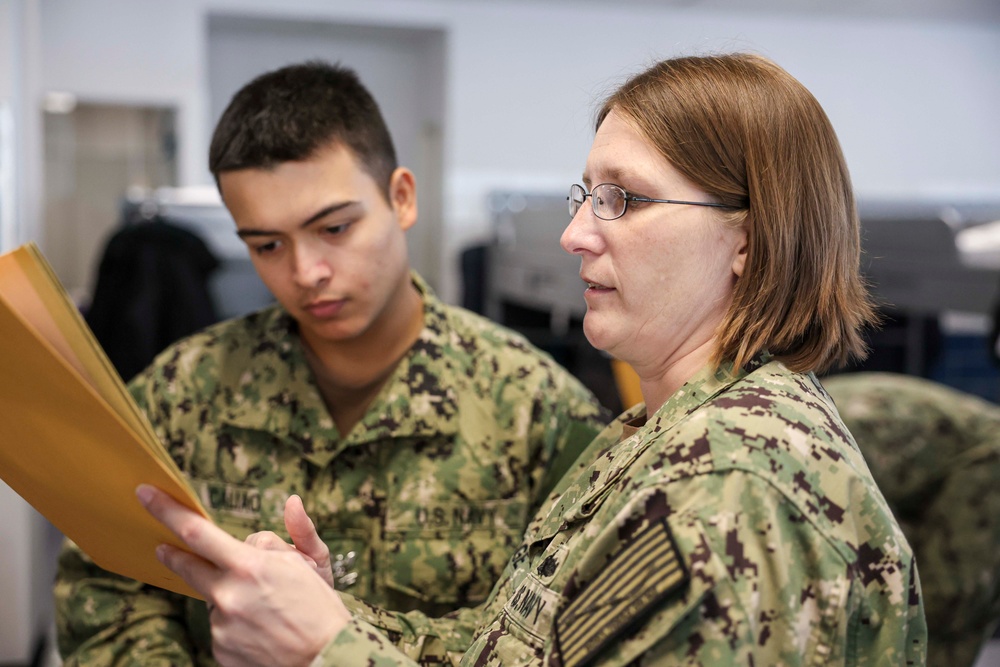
x: 577, y: 195
x: 608, y: 201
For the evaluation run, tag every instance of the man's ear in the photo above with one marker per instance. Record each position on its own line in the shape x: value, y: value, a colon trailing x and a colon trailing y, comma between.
x: 403, y: 196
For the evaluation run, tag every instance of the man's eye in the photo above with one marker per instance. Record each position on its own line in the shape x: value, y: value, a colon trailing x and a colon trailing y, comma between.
x: 334, y: 230
x: 266, y: 248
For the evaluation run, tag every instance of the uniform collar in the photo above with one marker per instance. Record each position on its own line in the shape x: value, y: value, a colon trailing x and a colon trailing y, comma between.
x: 281, y: 397
x: 617, y: 447
x: 707, y: 383
x: 418, y: 400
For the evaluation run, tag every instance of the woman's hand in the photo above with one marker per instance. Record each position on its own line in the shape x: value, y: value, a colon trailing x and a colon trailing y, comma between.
x: 305, y: 539
x: 266, y: 606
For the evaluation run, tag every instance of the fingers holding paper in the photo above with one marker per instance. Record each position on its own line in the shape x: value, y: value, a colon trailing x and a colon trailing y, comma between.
x: 266, y: 605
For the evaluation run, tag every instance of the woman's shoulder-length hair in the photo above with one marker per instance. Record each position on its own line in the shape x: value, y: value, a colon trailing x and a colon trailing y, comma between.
x: 750, y: 135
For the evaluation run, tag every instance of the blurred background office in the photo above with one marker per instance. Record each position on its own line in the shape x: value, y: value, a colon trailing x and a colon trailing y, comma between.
x: 107, y: 107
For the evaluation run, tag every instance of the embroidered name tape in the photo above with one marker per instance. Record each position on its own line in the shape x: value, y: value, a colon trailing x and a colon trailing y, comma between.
x: 641, y: 575
x: 241, y: 501
x: 531, y: 608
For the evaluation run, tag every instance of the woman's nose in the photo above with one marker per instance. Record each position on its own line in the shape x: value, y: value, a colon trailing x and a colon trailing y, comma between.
x: 581, y: 234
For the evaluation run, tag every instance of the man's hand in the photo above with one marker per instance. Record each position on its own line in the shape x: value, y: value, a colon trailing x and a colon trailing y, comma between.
x: 304, y: 536
x: 266, y: 607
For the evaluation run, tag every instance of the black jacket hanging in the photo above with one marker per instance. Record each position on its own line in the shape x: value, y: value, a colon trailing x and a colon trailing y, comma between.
x: 152, y: 289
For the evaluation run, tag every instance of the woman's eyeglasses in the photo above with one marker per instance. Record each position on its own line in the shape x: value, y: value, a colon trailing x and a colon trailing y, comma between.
x: 610, y: 201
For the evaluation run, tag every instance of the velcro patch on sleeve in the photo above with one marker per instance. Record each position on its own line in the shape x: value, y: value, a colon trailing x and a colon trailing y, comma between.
x: 645, y: 572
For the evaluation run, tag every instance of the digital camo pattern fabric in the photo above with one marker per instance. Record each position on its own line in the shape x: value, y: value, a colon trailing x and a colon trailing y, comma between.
x: 935, y: 453
x: 421, y: 503
x: 739, y: 525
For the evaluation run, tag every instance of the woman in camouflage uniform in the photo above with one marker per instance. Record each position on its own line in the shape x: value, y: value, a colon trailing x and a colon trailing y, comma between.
x: 730, y: 519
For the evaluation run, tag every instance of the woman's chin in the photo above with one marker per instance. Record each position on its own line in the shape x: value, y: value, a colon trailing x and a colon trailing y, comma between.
x: 598, y: 336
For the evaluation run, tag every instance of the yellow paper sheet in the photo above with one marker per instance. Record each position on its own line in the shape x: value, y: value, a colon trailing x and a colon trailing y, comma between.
x: 73, y: 444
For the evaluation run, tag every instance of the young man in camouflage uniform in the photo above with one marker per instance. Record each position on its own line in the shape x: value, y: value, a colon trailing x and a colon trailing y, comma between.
x: 420, y: 437
x: 935, y: 453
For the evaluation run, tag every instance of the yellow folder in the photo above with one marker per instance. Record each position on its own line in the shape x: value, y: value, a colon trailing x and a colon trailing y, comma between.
x: 73, y: 443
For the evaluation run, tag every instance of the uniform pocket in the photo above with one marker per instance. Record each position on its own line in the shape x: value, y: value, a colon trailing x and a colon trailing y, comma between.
x: 449, y: 553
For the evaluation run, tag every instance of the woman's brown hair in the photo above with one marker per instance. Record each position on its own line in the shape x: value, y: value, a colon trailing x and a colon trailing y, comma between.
x: 751, y: 136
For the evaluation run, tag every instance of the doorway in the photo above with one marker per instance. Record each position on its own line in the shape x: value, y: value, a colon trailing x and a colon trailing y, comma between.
x: 94, y: 155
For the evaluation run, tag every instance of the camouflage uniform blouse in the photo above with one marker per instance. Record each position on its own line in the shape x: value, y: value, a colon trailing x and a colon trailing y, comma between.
x: 737, y: 526
x: 423, y: 501
x: 935, y: 453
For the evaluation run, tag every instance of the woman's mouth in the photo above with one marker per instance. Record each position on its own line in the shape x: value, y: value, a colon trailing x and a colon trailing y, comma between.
x: 597, y: 287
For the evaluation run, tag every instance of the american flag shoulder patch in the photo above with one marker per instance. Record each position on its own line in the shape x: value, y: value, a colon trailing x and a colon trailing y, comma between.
x: 646, y: 571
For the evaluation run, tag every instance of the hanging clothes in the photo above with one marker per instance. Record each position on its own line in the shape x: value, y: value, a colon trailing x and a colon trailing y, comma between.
x: 152, y: 289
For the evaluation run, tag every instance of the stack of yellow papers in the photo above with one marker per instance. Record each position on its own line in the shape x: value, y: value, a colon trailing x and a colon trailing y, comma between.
x: 73, y: 443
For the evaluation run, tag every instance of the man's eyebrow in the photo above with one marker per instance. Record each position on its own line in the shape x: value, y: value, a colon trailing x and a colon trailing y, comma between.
x: 319, y: 215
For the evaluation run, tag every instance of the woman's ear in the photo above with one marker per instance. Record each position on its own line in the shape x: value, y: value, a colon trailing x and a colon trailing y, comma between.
x: 403, y: 196
x: 740, y: 260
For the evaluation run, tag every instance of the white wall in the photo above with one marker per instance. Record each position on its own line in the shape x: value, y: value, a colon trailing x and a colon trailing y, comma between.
x: 25, y: 589
x: 142, y: 52
x: 915, y: 102
x: 8, y: 54
x: 20, y: 78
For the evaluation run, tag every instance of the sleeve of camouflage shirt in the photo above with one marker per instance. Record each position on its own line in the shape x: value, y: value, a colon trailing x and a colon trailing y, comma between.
x: 935, y: 454
x: 766, y: 589
x: 106, y: 619
x: 384, y: 638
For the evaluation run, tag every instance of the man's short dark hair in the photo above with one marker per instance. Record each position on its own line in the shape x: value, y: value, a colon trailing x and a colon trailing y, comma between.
x: 291, y: 113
